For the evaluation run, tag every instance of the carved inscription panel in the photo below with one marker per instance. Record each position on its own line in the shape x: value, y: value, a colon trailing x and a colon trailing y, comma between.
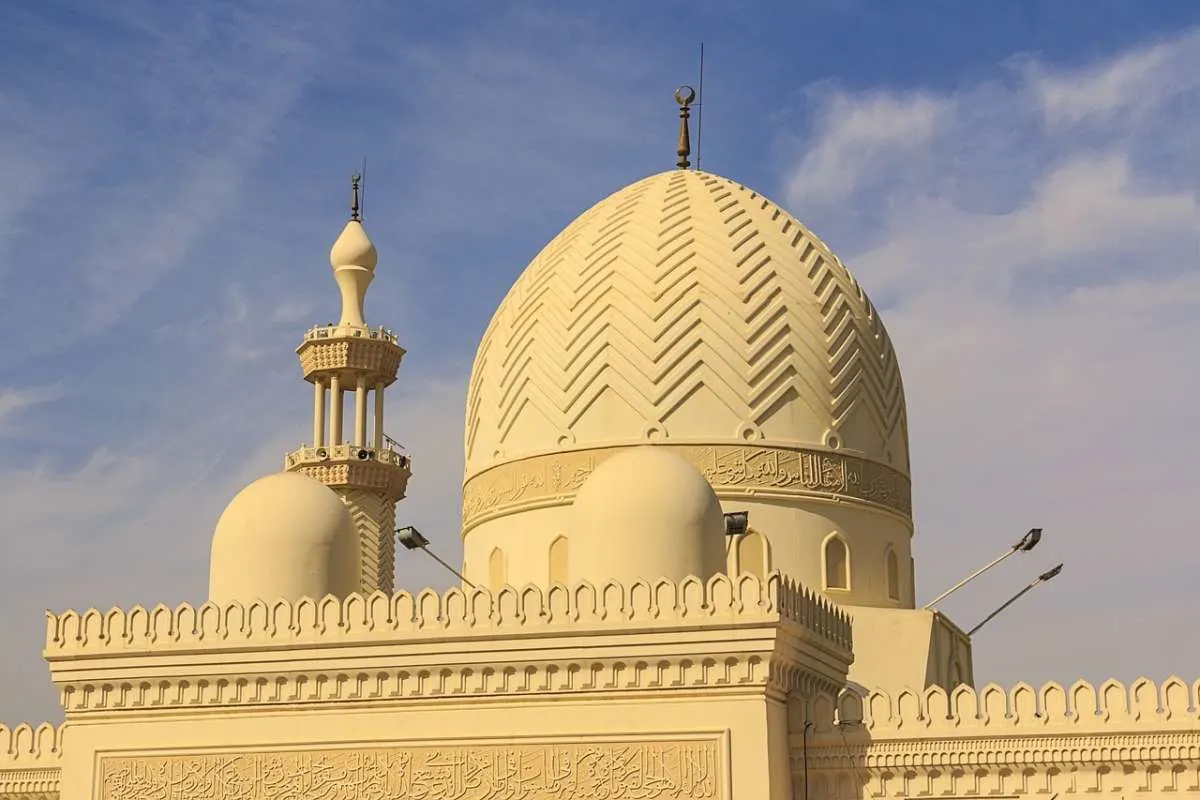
x: 612, y: 771
x: 789, y: 472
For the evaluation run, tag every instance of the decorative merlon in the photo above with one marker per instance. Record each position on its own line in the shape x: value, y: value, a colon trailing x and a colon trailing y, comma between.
x: 456, y: 613
x: 1021, y: 710
x: 30, y: 761
x: 29, y: 746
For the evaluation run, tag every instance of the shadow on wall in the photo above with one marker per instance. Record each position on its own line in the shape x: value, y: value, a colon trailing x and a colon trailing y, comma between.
x: 1004, y: 743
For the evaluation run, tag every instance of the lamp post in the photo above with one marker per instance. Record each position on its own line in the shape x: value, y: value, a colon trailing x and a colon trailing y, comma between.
x: 1049, y: 574
x: 412, y: 539
x: 1026, y: 543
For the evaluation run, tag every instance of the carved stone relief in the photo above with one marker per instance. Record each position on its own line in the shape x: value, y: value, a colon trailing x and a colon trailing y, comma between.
x: 770, y: 471
x: 559, y: 771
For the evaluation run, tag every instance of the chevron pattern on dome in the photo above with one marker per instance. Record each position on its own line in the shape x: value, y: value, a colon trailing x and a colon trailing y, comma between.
x: 684, y: 281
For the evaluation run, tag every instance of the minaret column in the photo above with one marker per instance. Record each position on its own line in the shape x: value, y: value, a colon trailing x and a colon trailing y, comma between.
x: 337, y: 401
x: 360, y: 411
x: 379, y: 416
x: 318, y: 413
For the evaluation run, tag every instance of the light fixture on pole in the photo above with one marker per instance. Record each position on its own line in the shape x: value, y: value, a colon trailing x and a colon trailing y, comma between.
x: 1026, y: 543
x: 1045, y: 576
x: 412, y: 539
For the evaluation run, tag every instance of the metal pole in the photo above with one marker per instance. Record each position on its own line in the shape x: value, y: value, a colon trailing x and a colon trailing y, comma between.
x: 807, y: 727
x: 1045, y: 576
x: 965, y: 581
x: 456, y: 573
x: 1027, y: 543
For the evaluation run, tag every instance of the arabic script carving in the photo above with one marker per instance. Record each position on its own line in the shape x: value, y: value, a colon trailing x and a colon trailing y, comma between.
x: 613, y: 771
x: 768, y: 470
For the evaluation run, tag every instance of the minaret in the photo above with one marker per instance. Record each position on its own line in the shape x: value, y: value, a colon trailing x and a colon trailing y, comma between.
x: 362, y: 466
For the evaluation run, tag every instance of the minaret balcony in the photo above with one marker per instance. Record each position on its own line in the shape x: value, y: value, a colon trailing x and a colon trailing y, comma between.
x: 354, y: 466
x: 373, y: 353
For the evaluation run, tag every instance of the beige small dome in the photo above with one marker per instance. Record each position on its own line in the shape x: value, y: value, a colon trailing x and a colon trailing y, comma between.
x: 645, y: 514
x: 354, y: 248
x: 285, y: 535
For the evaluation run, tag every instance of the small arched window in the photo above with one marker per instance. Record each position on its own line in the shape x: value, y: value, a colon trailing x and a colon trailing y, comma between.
x: 837, y: 563
x: 497, y: 569
x: 891, y: 568
x: 752, y: 555
x: 558, y: 560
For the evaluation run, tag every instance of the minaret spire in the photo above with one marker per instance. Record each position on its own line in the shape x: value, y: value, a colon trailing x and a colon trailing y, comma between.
x: 684, y: 96
x: 353, y: 259
x: 361, y: 465
x: 356, y: 197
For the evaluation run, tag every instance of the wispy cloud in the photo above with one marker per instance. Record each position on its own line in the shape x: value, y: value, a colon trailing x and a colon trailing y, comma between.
x: 188, y: 108
x: 14, y: 401
x: 1034, y: 241
x: 198, y: 253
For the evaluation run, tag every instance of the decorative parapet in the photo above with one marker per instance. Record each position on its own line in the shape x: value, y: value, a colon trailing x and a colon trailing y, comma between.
x: 373, y: 352
x: 455, y: 613
x: 384, y: 470
x: 1110, y: 740
x: 994, y: 711
x: 347, y: 452
x: 30, y: 760
x: 321, y: 332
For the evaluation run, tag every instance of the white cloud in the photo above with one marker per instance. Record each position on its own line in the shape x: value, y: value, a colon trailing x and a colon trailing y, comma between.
x: 15, y: 401
x: 1131, y: 82
x: 1034, y: 244
x: 860, y: 136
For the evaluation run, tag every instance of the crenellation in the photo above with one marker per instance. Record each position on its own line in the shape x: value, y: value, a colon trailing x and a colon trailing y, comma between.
x: 1143, y: 704
x: 25, y: 745
x: 457, y: 611
x: 27, y: 753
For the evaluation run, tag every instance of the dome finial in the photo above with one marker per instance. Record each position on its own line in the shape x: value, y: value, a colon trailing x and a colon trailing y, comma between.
x: 684, y: 95
x: 355, y: 197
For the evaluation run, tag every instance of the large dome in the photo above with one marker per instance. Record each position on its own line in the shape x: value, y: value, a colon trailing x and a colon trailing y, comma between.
x: 690, y: 312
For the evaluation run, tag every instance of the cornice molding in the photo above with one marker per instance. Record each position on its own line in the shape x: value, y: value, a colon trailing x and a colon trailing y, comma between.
x: 1006, y: 752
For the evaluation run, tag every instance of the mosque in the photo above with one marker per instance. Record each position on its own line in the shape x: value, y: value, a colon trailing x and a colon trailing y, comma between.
x: 687, y: 569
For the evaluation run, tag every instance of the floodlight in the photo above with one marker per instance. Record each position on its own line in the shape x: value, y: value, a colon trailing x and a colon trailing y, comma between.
x: 1024, y: 545
x: 737, y: 523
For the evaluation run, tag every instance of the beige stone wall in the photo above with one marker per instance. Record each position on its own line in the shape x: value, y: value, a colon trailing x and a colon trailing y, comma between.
x: 30, y: 762
x: 697, y: 689
x: 895, y: 648
x: 653, y: 690
x: 1141, y: 740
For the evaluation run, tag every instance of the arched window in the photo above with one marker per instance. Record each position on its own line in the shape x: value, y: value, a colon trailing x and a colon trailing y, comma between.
x: 891, y: 567
x: 837, y: 563
x: 497, y: 569
x: 558, y: 560
x: 752, y: 554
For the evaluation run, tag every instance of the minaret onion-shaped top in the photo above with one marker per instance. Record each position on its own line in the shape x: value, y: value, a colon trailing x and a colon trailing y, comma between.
x: 353, y: 259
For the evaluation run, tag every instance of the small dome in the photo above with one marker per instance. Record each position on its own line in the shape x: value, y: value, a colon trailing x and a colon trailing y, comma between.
x: 354, y: 248
x: 645, y: 514
x: 285, y: 535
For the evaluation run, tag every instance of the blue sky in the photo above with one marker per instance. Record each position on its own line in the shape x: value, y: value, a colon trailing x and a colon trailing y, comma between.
x: 1014, y: 183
